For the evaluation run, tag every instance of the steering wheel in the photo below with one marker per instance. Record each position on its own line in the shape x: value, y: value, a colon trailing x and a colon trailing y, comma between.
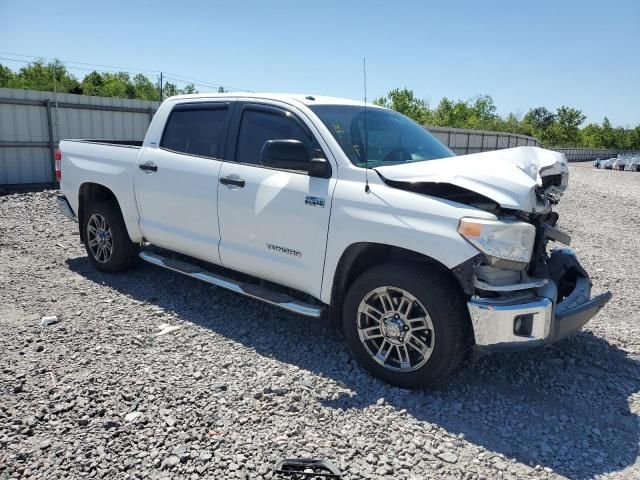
x: 393, y: 153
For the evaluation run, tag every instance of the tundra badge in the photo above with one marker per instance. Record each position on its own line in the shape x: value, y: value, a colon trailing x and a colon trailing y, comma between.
x: 314, y: 201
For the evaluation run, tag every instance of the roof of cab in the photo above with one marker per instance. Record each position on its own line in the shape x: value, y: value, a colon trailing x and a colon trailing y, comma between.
x: 308, y: 100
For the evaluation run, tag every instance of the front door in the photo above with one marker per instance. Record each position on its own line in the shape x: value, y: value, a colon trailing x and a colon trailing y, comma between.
x: 176, y: 184
x: 273, y: 223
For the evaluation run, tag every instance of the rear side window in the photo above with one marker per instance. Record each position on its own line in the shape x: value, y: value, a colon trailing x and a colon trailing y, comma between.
x: 258, y: 126
x: 195, y: 131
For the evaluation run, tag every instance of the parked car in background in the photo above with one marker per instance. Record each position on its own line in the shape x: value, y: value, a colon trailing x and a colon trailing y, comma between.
x: 633, y: 164
x: 619, y: 163
x: 608, y: 163
x: 356, y: 213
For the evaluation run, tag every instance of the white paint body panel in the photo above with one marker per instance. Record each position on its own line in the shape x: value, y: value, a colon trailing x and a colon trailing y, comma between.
x: 178, y: 204
x: 509, y: 177
x: 107, y: 165
x: 271, y: 210
x: 180, y: 210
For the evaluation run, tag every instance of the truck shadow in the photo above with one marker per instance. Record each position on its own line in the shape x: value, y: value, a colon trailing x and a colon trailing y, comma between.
x: 567, y: 405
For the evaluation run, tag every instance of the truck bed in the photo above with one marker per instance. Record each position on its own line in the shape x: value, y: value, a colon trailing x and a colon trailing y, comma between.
x: 111, y: 164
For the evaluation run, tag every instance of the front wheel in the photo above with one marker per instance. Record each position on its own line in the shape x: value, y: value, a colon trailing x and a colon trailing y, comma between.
x: 407, y: 327
x: 106, y: 238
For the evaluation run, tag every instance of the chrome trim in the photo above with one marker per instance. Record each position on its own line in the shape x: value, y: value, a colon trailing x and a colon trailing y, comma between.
x: 493, y: 322
x: 533, y: 283
x: 65, y: 208
x: 253, y: 291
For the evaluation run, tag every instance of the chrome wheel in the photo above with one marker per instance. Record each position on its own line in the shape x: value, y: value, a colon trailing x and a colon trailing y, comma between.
x: 395, y: 329
x: 99, y: 238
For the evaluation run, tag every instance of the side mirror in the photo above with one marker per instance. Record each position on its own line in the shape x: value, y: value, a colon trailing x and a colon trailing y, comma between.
x: 292, y: 155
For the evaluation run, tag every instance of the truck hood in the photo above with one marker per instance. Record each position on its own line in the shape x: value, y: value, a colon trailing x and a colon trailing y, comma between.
x: 529, y: 179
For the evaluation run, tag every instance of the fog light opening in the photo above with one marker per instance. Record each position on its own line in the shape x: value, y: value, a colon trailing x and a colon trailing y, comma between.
x: 523, y: 325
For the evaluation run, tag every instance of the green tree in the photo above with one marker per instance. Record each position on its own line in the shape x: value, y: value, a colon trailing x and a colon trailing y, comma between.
x: 188, y: 89
x: 117, y: 85
x: 50, y: 76
x: 92, y: 84
x: 169, y: 90
x: 6, y: 76
x: 451, y: 113
x: 144, y: 89
x: 607, y: 135
x: 591, y: 136
x: 482, y: 112
x: 404, y: 101
x: 565, y: 131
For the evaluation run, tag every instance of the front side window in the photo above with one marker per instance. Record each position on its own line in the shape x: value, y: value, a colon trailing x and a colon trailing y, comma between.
x: 258, y: 126
x: 194, y: 131
x: 391, y: 138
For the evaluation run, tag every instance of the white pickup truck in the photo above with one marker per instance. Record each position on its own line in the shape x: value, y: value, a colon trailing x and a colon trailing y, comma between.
x: 327, y: 207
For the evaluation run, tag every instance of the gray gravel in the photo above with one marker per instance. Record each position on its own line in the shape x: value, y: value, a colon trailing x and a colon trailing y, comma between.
x: 101, y: 393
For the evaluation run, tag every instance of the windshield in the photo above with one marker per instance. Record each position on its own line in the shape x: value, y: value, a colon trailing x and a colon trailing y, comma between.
x: 391, y: 137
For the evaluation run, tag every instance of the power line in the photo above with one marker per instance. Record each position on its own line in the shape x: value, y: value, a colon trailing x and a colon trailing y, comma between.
x: 68, y: 67
x: 174, y: 76
x: 79, y: 63
x: 203, y: 83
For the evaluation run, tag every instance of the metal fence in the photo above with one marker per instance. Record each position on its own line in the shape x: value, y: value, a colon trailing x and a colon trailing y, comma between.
x: 463, y: 141
x: 33, y: 122
x: 585, y: 154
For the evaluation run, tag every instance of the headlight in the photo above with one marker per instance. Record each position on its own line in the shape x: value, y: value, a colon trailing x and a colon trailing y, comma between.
x: 506, y: 243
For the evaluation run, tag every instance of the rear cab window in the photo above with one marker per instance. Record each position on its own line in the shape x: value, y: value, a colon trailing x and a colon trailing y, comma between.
x: 196, y: 129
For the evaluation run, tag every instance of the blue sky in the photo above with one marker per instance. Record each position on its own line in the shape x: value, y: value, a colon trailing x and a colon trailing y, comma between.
x: 584, y: 54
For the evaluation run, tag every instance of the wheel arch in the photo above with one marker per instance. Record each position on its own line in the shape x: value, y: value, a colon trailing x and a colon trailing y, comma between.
x: 90, y: 191
x: 361, y: 256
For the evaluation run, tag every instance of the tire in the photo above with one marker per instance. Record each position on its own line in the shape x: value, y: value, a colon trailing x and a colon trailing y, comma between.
x: 103, y: 222
x: 446, y: 330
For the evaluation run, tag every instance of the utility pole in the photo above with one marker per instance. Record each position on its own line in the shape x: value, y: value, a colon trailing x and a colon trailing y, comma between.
x: 160, y: 86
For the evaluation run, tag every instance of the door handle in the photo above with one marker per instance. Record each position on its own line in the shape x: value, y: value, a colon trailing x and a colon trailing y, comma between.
x: 236, y: 182
x: 148, y: 167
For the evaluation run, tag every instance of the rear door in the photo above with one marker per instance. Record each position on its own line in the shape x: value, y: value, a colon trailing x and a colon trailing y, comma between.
x: 273, y: 222
x: 176, y: 183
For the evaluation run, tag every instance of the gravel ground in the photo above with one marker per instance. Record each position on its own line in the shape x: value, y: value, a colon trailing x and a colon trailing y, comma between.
x: 106, y: 393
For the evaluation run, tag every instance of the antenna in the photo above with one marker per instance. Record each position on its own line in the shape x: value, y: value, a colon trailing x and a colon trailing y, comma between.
x: 366, y: 140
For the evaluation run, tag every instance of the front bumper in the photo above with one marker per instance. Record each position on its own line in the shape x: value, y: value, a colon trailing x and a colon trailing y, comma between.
x: 535, y: 318
x: 65, y: 207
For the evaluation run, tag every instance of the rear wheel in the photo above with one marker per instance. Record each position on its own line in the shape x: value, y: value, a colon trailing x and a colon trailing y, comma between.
x: 106, y: 238
x: 409, y: 328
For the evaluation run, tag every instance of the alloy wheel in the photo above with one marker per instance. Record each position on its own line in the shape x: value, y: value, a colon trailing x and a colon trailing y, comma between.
x: 99, y: 238
x: 395, y: 329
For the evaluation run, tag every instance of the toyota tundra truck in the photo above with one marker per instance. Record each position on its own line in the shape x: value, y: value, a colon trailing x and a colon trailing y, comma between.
x: 335, y: 208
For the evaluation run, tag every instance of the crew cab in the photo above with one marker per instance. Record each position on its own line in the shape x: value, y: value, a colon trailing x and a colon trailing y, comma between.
x: 335, y: 208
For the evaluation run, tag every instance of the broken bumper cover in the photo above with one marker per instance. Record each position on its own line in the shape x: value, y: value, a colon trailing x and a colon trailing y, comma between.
x: 506, y: 325
x: 65, y: 208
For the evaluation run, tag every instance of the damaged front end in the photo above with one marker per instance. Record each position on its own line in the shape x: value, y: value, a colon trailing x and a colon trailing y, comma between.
x: 521, y: 293
x: 541, y: 302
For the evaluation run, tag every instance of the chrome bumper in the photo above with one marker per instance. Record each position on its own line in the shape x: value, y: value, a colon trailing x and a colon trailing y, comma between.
x: 65, y: 208
x: 536, y: 318
x: 495, y: 325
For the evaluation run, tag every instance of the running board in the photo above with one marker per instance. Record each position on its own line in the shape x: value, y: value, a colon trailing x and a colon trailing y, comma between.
x: 257, y: 292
